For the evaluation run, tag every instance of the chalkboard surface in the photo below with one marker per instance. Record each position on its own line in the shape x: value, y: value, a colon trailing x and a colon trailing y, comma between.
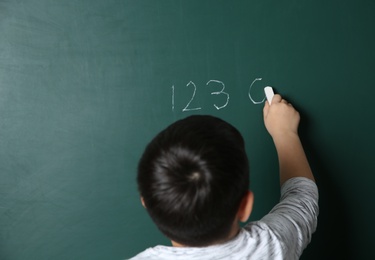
x: 85, y: 84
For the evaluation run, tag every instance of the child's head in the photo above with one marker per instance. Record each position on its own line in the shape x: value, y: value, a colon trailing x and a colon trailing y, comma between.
x: 192, y: 178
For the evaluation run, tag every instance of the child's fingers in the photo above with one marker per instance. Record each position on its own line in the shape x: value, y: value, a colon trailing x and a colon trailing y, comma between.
x: 276, y: 98
x: 266, y: 108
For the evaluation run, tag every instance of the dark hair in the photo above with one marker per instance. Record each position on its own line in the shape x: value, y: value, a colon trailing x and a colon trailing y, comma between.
x: 192, y: 177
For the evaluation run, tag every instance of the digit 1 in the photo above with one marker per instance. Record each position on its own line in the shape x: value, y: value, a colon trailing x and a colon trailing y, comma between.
x: 173, y: 98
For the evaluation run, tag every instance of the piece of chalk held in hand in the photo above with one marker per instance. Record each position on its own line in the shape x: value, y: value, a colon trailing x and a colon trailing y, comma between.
x: 269, y: 94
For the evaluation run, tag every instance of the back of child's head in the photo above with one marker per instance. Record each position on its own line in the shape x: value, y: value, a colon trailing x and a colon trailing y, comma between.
x: 192, y: 178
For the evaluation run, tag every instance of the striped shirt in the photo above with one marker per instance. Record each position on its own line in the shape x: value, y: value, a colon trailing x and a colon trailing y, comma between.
x: 282, y: 234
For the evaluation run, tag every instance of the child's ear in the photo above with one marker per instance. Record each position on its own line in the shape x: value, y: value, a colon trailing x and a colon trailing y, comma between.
x: 246, y: 206
x: 143, y: 202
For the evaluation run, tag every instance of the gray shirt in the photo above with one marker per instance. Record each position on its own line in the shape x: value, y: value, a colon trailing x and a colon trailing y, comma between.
x: 282, y: 234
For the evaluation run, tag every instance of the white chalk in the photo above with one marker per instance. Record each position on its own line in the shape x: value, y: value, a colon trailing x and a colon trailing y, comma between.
x: 269, y: 94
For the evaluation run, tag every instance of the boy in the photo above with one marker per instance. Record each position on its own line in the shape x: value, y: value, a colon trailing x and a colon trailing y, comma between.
x: 194, y: 177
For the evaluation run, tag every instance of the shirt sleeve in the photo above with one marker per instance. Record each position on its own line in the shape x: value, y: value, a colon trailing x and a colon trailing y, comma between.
x: 294, y: 219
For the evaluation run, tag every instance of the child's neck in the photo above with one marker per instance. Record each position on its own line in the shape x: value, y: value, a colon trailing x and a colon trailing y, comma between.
x: 232, y: 234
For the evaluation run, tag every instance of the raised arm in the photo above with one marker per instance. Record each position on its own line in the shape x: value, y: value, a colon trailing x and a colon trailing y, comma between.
x: 281, y: 121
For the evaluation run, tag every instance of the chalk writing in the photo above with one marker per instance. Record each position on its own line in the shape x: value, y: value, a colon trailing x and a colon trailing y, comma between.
x: 255, y: 102
x: 173, y: 98
x: 219, y: 92
x: 192, y: 97
x: 222, y: 91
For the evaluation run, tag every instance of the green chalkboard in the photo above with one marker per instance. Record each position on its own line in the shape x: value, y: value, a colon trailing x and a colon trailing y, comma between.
x: 85, y: 84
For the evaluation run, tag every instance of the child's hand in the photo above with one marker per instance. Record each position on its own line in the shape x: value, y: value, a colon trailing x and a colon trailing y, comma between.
x: 280, y: 118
